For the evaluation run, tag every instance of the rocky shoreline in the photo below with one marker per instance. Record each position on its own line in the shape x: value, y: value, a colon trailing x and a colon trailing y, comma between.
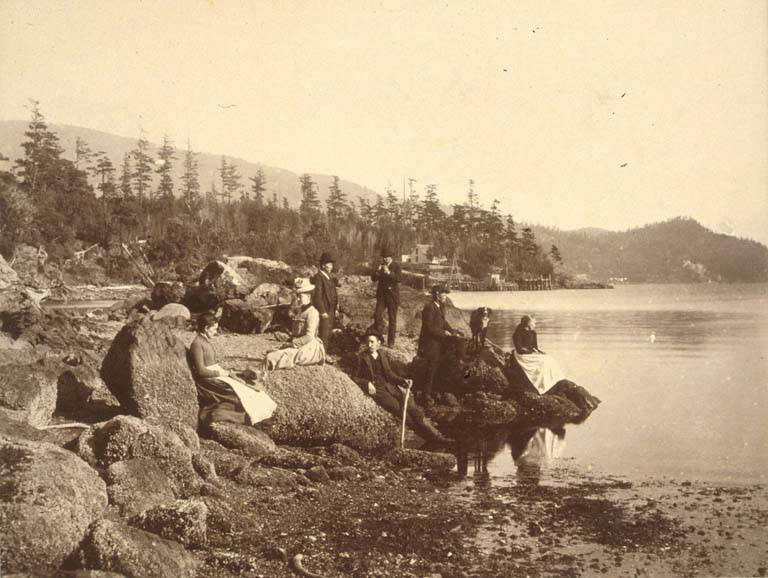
x: 104, y: 473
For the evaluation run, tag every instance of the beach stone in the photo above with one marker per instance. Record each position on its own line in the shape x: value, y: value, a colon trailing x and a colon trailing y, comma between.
x: 113, y: 546
x: 136, y: 485
x: 320, y: 405
x: 173, y: 314
x: 49, y: 498
x: 28, y: 392
x: 203, y: 466
x: 318, y: 474
x: 344, y: 473
x: 126, y: 437
x: 251, y: 441
x: 258, y: 477
x: 226, y: 464
x: 184, y: 521
x: 410, y: 458
x: 240, y: 316
x: 147, y: 371
x: 167, y: 292
x: 298, y: 459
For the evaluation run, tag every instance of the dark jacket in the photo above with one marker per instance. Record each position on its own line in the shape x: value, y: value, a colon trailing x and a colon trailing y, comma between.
x: 388, y: 287
x: 434, y: 327
x: 525, y: 340
x: 324, y: 295
x: 366, y: 373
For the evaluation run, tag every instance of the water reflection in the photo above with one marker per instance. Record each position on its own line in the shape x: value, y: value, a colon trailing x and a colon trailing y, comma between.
x: 532, y: 449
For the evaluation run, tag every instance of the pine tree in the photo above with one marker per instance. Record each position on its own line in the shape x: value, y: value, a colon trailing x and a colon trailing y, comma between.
x: 42, y: 154
x: 554, y: 254
x: 126, y: 191
x: 258, y: 187
x: 336, y: 204
x: 165, y: 156
x: 83, y: 154
x: 106, y: 174
x: 190, y: 184
x: 310, y: 204
x: 142, y: 172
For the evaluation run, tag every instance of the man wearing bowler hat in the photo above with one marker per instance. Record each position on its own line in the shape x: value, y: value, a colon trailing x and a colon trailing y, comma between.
x: 324, y: 297
x: 387, y: 275
x: 435, y: 337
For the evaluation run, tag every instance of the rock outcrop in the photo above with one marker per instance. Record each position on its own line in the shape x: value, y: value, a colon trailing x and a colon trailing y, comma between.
x: 240, y: 316
x: 28, y: 392
x: 146, y: 369
x: 320, y: 405
x: 49, y: 498
x: 127, y: 437
x: 119, y: 548
x: 249, y: 440
x: 184, y: 521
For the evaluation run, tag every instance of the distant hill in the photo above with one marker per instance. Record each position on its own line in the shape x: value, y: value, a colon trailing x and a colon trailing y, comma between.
x: 284, y: 182
x: 680, y: 249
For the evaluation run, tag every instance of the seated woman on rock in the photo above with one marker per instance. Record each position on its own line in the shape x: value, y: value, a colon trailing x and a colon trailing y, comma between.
x: 540, y: 369
x: 304, y: 348
x: 223, y: 396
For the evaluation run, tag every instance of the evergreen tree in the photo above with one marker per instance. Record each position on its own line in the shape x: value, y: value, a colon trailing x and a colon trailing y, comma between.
x: 554, y: 254
x: 83, y: 154
x: 106, y: 174
x: 126, y: 191
x: 38, y: 169
x: 190, y: 184
x: 310, y: 204
x: 336, y: 204
x: 165, y: 156
x: 142, y: 170
x: 230, y: 180
x: 258, y: 187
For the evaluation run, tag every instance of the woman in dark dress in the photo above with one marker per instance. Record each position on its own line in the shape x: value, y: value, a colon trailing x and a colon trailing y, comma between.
x: 541, y: 370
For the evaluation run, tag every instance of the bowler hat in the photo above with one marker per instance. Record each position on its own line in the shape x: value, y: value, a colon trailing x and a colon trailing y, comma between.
x: 440, y: 289
x: 386, y: 253
x: 326, y: 258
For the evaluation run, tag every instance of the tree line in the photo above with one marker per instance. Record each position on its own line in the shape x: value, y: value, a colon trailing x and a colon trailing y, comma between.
x: 61, y: 203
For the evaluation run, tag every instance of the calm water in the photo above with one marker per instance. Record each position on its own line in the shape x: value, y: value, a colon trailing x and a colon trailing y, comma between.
x: 693, y: 402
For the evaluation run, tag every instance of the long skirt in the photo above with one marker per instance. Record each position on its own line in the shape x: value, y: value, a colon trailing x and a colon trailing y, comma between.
x: 311, y: 353
x: 230, y: 399
x: 542, y: 370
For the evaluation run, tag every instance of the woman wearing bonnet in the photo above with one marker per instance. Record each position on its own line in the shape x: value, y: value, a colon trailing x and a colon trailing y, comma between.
x: 304, y: 347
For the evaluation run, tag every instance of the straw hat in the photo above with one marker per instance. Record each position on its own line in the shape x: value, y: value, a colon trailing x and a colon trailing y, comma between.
x: 302, y: 285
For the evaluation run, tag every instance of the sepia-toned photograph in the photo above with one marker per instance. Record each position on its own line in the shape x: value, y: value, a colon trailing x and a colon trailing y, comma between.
x: 386, y: 288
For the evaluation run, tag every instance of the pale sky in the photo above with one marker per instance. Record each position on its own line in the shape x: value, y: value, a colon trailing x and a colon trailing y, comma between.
x: 541, y: 103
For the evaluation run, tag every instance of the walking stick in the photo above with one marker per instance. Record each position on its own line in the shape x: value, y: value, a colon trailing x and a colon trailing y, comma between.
x: 405, y: 412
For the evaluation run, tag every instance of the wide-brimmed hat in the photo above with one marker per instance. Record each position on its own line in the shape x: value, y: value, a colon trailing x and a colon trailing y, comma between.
x: 302, y: 285
x: 326, y: 258
x: 436, y: 289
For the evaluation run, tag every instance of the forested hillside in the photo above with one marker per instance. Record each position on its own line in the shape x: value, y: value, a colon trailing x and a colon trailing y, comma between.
x: 679, y: 249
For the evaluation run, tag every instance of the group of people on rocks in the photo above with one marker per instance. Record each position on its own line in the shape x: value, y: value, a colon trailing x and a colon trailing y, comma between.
x: 225, y: 397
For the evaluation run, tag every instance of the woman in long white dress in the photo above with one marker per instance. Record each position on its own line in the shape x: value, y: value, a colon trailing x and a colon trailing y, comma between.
x: 304, y: 348
x: 542, y: 370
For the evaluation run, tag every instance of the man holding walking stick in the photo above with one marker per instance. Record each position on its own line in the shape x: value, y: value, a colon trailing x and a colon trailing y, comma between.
x: 377, y: 378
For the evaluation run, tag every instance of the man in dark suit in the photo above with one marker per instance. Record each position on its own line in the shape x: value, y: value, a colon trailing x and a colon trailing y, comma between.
x: 324, y: 298
x: 387, y: 275
x: 376, y: 378
x: 436, y: 334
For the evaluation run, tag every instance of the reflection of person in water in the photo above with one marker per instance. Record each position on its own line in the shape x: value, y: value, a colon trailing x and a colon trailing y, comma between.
x: 533, y: 449
x: 540, y: 369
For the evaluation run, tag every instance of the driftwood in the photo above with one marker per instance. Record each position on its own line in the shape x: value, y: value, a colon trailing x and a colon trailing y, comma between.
x: 146, y: 278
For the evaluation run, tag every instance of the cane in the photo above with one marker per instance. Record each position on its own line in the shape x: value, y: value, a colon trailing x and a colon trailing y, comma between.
x: 405, y: 412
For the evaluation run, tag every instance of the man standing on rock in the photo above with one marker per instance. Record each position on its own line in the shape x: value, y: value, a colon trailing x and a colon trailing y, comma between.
x: 376, y: 377
x: 324, y: 298
x: 436, y: 334
x: 387, y: 275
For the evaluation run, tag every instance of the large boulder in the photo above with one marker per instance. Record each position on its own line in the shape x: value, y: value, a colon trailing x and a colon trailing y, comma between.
x: 185, y: 521
x: 271, y: 294
x: 166, y: 292
x: 320, y: 405
x: 173, y: 314
x: 8, y: 276
x: 134, y: 553
x: 240, y: 316
x: 255, y: 270
x: 223, y: 281
x: 138, y: 484
x: 28, y: 392
x: 126, y: 437
x: 49, y: 498
x: 146, y: 369
x: 251, y: 441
